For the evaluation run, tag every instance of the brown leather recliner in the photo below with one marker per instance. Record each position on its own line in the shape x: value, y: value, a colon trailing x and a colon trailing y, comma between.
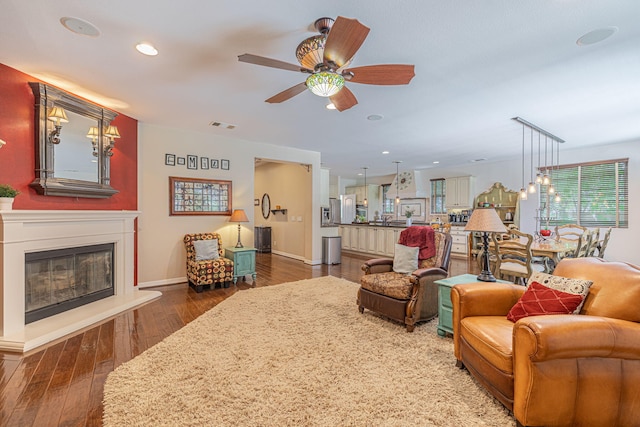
x: 557, y: 370
x: 409, y: 299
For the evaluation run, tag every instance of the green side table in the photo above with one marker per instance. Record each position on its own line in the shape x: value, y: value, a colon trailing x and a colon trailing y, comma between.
x: 445, y: 307
x: 244, y: 262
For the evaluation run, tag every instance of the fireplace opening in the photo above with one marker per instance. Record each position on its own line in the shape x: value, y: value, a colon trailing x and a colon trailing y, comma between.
x: 63, y: 279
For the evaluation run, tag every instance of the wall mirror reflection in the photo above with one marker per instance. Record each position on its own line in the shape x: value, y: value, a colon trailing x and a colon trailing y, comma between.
x: 74, y: 142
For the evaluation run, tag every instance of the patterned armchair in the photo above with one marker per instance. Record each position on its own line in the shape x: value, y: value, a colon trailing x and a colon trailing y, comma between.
x: 407, y: 298
x: 207, y: 272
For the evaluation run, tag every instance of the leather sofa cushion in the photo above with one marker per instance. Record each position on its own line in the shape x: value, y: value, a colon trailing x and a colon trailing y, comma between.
x: 391, y: 284
x: 491, y: 337
x: 612, y: 289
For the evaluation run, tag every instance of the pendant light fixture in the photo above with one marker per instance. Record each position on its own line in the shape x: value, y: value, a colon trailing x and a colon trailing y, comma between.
x: 532, y: 184
x: 365, y: 186
x: 545, y: 179
x: 523, y: 191
x: 550, y: 189
x: 397, y: 162
x: 557, y: 197
x: 539, y: 172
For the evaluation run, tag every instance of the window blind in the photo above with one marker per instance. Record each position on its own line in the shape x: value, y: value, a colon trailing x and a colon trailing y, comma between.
x: 592, y: 194
x: 438, y: 196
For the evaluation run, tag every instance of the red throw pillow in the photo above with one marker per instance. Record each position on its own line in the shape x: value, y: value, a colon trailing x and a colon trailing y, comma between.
x: 538, y: 300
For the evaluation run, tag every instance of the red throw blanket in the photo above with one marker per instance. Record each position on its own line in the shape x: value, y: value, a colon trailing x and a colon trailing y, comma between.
x: 420, y: 236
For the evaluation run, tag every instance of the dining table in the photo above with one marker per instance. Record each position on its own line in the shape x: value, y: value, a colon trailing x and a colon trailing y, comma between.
x: 551, y: 250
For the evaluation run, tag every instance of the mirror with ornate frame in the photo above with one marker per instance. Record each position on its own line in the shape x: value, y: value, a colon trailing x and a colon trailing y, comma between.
x: 266, y: 206
x: 77, y: 166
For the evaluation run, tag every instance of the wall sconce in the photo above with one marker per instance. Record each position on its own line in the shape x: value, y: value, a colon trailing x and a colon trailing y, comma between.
x: 111, y: 133
x: 57, y: 116
x: 94, y: 134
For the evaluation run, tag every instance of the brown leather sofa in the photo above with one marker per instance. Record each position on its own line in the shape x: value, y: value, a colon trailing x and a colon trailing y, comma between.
x: 557, y: 370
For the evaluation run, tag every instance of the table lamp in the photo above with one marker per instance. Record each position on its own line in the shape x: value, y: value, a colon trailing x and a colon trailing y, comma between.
x: 238, y: 215
x: 487, y: 221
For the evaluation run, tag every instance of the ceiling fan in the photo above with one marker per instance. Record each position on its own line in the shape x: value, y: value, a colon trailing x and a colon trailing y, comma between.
x: 326, y: 57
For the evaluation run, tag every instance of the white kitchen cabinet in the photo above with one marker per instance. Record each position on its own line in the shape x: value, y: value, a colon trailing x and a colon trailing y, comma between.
x: 345, y: 233
x: 459, y: 192
x: 391, y: 238
x: 363, y: 236
x: 355, y: 237
x: 459, y: 241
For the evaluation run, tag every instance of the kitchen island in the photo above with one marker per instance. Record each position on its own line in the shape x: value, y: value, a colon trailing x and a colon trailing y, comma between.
x: 380, y: 240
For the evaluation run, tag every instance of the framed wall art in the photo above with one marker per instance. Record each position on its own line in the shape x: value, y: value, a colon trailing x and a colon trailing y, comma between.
x: 224, y: 164
x: 418, y: 208
x: 204, y: 163
x: 181, y: 161
x: 192, y: 162
x: 170, y: 159
x: 192, y: 196
x: 214, y: 163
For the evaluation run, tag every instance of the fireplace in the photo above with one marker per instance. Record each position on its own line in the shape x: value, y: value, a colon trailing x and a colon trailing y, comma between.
x: 32, y: 286
x: 63, y: 279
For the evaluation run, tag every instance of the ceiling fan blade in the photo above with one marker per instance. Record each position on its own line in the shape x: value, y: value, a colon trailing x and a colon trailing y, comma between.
x: 344, y: 99
x: 287, y: 93
x: 387, y: 74
x: 344, y: 39
x: 273, y: 63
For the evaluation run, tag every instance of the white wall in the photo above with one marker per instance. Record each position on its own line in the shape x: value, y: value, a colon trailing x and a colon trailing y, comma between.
x: 161, y: 253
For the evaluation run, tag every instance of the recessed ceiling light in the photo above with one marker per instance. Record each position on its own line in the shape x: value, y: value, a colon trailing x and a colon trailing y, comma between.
x: 374, y: 117
x: 80, y: 26
x: 596, y: 36
x: 330, y: 106
x: 385, y: 152
x: 146, y: 49
x: 435, y: 162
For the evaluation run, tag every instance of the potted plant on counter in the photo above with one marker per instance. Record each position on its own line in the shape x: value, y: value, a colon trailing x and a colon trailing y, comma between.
x: 408, y: 213
x: 7, y: 194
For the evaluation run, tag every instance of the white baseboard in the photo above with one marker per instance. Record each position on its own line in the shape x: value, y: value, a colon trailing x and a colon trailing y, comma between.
x: 162, y: 282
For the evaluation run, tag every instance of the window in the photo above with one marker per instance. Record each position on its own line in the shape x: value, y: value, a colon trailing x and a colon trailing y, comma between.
x: 387, y: 203
x: 438, y: 190
x: 592, y: 194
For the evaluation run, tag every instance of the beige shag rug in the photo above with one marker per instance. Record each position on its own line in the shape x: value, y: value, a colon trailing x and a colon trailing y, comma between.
x: 298, y: 354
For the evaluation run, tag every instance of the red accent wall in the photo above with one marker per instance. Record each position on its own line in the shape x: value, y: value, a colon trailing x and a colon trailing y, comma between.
x: 17, y: 157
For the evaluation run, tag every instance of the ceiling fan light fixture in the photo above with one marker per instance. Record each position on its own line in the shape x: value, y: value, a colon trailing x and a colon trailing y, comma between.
x: 310, y: 51
x: 325, y: 83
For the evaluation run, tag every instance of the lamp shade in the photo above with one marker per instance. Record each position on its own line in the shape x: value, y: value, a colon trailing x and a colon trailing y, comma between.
x: 238, y: 215
x: 112, y: 132
x: 57, y: 115
x: 485, y: 219
x: 93, y: 132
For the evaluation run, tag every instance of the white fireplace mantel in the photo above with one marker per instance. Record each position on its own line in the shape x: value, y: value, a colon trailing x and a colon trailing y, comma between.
x: 26, y: 231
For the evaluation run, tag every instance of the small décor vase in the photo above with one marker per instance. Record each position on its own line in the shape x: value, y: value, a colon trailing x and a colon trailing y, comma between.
x: 409, y: 222
x: 6, y: 203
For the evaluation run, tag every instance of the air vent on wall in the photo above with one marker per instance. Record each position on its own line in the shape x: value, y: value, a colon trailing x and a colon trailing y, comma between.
x: 222, y: 125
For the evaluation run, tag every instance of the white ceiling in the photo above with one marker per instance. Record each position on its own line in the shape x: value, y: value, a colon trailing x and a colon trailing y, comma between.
x: 477, y: 64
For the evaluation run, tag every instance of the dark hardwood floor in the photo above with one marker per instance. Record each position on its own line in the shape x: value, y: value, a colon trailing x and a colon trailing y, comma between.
x: 61, y: 384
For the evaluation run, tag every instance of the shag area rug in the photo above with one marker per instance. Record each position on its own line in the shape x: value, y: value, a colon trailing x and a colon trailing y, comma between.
x: 298, y: 354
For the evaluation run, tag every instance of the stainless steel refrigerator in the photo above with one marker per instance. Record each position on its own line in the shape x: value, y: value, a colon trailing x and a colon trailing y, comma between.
x: 334, y: 211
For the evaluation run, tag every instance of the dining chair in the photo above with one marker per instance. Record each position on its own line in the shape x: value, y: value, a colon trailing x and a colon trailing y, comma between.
x: 593, y: 239
x: 571, y: 233
x: 513, y: 257
x: 602, y: 244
